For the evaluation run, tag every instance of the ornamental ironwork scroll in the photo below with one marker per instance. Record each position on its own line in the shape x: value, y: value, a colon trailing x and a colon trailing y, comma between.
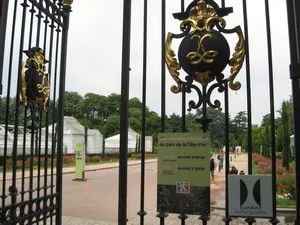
x: 35, y: 83
x: 204, y: 52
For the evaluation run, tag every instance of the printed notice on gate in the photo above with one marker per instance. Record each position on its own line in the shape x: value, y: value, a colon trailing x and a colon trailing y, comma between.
x: 183, y: 173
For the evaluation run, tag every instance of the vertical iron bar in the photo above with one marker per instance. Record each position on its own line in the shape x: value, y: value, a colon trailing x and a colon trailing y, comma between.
x: 142, y: 212
x: 293, y: 13
x: 54, y: 113
x: 39, y: 16
x: 274, y: 220
x: 226, y: 219
x: 47, y: 120
x: 4, y: 196
x: 23, y: 159
x: 163, y: 68
x: 32, y: 11
x: 61, y: 104
x: 182, y: 218
x: 13, y: 188
x: 30, y: 190
x: 249, y: 109
x: 3, y: 20
x: 249, y: 220
x: 223, y: 3
x: 183, y: 113
x: 122, y: 212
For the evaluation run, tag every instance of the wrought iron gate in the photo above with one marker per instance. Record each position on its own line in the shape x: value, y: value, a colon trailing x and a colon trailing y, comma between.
x: 33, y: 47
x: 196, y: 22
x: 33, y: 63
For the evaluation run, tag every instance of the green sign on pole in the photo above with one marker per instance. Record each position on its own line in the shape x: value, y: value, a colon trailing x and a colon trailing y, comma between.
x: 183, y: 173
x: 80, y: 162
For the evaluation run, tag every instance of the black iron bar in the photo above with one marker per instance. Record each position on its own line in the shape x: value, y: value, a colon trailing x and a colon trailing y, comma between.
x: 249, y: 108
x: 162, y: 215
x: 32, y: 11
x: 39, y: 155
x: 182, y: 6
x: 273, y: 220
x: 23, y: 158
x: 3, y: 20
x: 249, y: 220
x: 293, y: 14
x: 182, y: 218
x: 183, y: 107
x: 13, y: 189
x: 54, y: 116
x: 47, y: 120
x: 39, y: 16
x: 204, y: 219
x: 32, y: 144
x: 122, y: 212
x: 226, y: 219
x: 4, y: 196
x: 223, y: 3
x: 142, y: 212
x: 60, y: 120
x: 163, y: 67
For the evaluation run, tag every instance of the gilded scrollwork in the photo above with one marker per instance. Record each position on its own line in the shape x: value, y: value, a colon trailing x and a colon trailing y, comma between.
x: 172, y: 64
x: 203, y: 78
x: 202, y: 55
x: 35, y: 82
x: 236, y: 62
x: 202, y: 17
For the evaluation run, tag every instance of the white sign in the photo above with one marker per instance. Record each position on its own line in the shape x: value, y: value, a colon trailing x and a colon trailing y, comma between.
x: 250, y: 196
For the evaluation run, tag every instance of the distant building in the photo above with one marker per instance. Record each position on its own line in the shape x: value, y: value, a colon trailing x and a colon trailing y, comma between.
x: 112, y: 144
x: 74, y: 132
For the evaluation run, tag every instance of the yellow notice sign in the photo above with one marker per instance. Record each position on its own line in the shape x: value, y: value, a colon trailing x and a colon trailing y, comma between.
x: 183, y: 173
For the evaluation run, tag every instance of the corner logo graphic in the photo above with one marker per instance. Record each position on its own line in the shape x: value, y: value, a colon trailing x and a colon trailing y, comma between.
x: 253, y: 200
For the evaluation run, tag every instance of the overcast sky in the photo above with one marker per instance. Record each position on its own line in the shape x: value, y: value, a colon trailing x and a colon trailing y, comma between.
x: 94, y: 52
x: 95, y: 47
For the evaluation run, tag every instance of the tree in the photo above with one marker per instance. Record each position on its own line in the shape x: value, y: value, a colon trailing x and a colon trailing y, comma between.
x: 174, y: 123
x: 113, y: 104
x: 94, y: 106
x: 112, y: 125
x: 72, y: 100
x: 2, y: 110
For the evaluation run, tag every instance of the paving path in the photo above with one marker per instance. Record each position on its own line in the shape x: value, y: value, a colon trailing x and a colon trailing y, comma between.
x: 217, y: 200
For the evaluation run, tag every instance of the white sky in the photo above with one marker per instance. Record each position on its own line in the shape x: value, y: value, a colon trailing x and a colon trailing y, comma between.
x: 95, y: 48
x: 94, y: 52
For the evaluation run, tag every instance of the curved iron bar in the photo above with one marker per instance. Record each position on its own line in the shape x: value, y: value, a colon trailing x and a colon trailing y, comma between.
x: 221, y: 88
x: 220, y: 11
x: 226, y: 31
x: 188, y: 86
x: 185, y: 31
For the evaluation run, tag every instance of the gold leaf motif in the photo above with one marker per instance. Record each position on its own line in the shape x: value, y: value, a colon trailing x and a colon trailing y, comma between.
x: 203, y: 78
x: 237, y: 60
x: 202, y: 17
x: 201, y: 55
x: 23, y: 84
x: 172, y: 64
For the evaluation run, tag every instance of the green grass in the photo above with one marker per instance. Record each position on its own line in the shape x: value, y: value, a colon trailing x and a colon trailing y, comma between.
x: 254, y: 168
x: 285, y: 202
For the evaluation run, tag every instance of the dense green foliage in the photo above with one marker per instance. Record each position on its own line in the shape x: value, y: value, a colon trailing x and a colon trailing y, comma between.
x: 100, y: 112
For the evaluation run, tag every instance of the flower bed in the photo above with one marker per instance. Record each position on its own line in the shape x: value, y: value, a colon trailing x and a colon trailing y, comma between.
x: 285, y: 180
